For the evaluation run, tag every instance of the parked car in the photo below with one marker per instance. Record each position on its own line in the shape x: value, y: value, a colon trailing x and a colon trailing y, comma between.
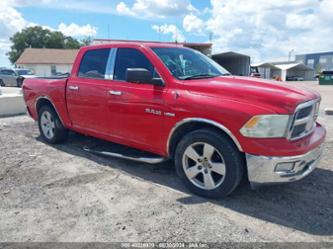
x: 294, y: 78
x: 25, y: 73
x: 254, y: 72
x: 8, y: 77
x: 179, y: 104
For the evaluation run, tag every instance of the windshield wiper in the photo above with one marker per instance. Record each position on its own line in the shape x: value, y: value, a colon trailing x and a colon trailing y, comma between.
x: 200, y: 76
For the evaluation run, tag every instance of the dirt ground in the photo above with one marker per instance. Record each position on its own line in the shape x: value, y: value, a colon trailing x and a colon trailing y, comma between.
x: 62, y: 193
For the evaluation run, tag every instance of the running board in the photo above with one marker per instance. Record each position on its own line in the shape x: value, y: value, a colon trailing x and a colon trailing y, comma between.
x: 150, y: 160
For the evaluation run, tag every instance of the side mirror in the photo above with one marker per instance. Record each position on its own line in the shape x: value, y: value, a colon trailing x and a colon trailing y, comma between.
x: 157, y: 82
x: 138, y: 75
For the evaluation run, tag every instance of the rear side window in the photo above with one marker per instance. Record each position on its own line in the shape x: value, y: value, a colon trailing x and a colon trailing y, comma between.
x: 130, y: 58
x: 93, y: 64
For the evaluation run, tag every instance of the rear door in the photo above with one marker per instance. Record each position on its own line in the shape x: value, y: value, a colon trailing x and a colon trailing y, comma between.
x: 87, y: 93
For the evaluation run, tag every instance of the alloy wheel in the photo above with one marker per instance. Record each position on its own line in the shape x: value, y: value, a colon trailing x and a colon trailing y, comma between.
x: 47, y: 124
x: 204, y: 165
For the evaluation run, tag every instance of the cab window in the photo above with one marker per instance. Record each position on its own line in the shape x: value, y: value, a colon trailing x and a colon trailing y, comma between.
x: 131, y: 58
x: 93, y: 63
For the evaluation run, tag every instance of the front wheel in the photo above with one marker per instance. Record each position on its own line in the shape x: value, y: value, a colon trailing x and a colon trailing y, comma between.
x: 208, y: 163
x: 2, y: 83
x: 50, y: 126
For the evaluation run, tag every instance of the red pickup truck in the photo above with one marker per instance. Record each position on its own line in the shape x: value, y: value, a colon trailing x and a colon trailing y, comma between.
x: 179, y: 104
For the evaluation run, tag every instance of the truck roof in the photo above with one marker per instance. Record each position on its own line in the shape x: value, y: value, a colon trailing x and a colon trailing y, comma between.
x: 138, y: 44
x: 205, y: 48
x: 107, y: 41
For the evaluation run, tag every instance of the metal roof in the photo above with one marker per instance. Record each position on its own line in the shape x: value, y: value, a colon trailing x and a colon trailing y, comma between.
x: 265, y: 64
x: 319, y: 53
x: 229, y: 54
x: 299, y: 66
x: 284, y: 66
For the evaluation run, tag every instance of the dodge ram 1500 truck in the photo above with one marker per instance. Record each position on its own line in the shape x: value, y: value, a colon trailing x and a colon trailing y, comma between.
x: 179, y: 104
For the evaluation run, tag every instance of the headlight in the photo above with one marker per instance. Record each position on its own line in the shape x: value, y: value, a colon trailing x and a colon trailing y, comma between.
x: 266, y: 126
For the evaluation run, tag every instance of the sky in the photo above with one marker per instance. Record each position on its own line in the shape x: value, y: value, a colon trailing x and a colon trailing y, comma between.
x: 266, y: 30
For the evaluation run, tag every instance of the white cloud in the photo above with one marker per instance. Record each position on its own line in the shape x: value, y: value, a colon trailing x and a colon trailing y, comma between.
x: 192, y: 23
x: 155, y: 8
x: 77, y: 30
x: 166, y: 29
x: 263, y: 29
x: 270, y: 29
x: 123, y: 9
x: 12, y: 21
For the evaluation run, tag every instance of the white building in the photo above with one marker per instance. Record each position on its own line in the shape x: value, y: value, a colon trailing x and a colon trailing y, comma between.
x: 46, y: 62
x: 285, y: 71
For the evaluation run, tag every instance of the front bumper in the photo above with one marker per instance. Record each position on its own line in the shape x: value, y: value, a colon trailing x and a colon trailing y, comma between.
x: 267, y: 170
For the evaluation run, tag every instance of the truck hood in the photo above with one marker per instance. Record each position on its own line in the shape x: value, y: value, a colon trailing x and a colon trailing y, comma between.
x: 271, y: 95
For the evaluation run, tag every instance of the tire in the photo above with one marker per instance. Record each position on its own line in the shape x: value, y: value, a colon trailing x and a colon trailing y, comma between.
x: 19, y: 83
x: 208, y: 163
x: 50, y: 126
x: 2, y: 83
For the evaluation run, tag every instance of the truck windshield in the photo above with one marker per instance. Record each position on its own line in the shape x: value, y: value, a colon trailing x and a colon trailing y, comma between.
x: 187, y: 64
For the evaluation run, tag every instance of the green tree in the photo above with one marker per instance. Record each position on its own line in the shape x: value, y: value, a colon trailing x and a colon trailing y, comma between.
x: 71, y: 43
x: 86, y: 41
x: 38, y: 37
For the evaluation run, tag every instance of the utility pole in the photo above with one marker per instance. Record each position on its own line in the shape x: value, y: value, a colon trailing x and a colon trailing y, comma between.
x: 289, y: 54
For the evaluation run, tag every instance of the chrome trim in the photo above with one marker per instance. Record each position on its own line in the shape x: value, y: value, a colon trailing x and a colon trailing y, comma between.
x: 73, y: 88
x: 202, y: 120
x: 303, y: 120
x: 262, y: 169
x: 137, y: 159
x: 110, y: 64
x: 49, y: 99
x: 293, y: 121
x: 117, y: 93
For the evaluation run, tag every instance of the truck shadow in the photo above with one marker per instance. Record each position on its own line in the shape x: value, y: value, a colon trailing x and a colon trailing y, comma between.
x: 306, y: 206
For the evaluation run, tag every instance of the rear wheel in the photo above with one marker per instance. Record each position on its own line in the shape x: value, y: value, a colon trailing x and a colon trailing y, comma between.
x: 208, y: 163
x: 2, y: 83
x: 50, y: 126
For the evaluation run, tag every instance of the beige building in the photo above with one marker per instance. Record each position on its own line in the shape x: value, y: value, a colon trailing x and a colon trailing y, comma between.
x: 47, y: 62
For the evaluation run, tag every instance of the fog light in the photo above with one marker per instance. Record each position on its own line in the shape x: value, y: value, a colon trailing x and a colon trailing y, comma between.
x: 284, y: 166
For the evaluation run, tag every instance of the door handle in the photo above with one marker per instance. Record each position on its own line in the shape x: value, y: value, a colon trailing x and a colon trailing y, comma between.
x: 73, y: 88
x: 117, y: 93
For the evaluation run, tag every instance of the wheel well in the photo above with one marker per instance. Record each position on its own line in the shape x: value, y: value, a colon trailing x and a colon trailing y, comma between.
x: 186, y: 128
x: 44, y: 102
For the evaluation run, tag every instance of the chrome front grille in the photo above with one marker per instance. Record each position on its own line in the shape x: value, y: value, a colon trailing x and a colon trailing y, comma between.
x: 304, y: 119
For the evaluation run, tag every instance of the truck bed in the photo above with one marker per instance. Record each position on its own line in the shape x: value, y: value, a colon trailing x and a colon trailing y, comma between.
x: 48, y: 88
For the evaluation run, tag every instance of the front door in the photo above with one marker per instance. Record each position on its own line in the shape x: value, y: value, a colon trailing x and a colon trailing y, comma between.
x: 137, y: 111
